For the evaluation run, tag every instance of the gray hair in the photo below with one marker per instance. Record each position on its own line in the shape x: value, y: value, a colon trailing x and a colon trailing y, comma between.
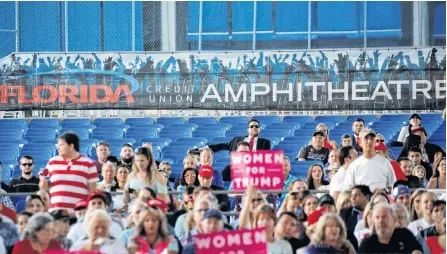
x: 403, y: 208
x: 210, y: 199
x: 36, y: 223
x: 96, y: 214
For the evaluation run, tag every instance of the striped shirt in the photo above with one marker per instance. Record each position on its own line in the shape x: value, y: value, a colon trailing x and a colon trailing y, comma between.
x: 69, y: 181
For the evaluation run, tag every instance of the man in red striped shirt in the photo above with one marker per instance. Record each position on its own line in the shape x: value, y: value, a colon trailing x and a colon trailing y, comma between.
x: 72, y: 177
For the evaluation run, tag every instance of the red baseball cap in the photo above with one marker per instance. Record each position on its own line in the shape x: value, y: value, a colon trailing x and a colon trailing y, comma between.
x: 81, y: 204
x: 380, y: 146
x: 158, y: 203
x: 315, y: 216
x: 206, y: 171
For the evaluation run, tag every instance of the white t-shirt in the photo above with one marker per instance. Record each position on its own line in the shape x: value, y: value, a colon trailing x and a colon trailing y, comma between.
x: 77, y: 231
x: 109, y: 246
x: 279, y: 247
x: 418, y: 225
x: 338, y: 180
x: 375, y: 172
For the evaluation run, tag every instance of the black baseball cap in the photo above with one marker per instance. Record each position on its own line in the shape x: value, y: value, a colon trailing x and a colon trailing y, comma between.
x: 326, y: 199
x: 60, y: 214
x: 415, y: 116
x: 318, y: 133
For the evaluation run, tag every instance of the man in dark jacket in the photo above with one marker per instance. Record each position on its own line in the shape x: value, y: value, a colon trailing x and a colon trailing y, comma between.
x: 205, y: 179
x: 360, y: 196
x: 255, y: 142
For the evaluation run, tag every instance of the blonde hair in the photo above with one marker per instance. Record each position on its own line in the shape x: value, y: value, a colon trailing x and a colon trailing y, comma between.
x: 162, y: 226
x: 264, y: 209
x: 209, y: 150
x: 368, y: 210
x: 96, y: 214
x: 189, y: 158
x: 212, y: 204
x: 419, y: 167
x: 318, y: 236
x: 341, y: 199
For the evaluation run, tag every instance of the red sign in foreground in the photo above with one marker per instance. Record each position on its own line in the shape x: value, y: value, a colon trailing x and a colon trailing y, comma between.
x: 262, y: 169
x: 251, y: 241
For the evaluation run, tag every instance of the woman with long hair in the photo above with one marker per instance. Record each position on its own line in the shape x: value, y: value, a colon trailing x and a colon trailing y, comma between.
x: 151, y: 233
x: 315, y: 177
x: 415, y: 204
x: 330, y: 236
x: 427, y: 200
x: 188, y: 162
x: 364, y: 226
x: 34, y: 204
x: 37, y: 236
x: 343, y: 200
x: 251, y: 199
x: 188, y: 178
x: 98, y: 224
x: 310, y: 204
x: 144, y: 174
x: 265, y: 217
x: 414, y: 121
x: 438, y: 179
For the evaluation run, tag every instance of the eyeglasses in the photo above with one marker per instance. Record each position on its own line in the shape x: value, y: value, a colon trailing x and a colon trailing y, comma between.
x: 380, y: 140
x: 253, y: 126
x: 27, y: 164
x: 190, y: 175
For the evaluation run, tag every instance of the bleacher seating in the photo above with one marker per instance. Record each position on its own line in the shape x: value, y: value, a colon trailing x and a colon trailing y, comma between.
x: 438, y: 23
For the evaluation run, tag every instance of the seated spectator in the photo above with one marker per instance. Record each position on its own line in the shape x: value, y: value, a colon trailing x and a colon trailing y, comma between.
x: 381, y: 139
x: 415, y: 154
x: 309, y: 231
x: 102, y: 152
x: 298, y: 185
x: 402, y: 215
x: 381, y: 149
x: 315, y: 177
x: 346, y: 155
x: 37, y: 236
x: 286, y: 230
x: 364, y: 226
x: 61, y: 227
x: 186, y: 204
x: 6, y: 201
x: 108, y: 173
x: 134, y: 210
x: 95, y: 201
x: 45, y: 196
x: 314, y: 151
x: 27, y: 182
x: 415, y: 204
x: 144, y: 174
x: 98, y: 228
x: 251, y: 199
x: 188, y: 178
x: 212, y: 223
x: 438, y: 179
x: 34, y: 204
x: 380, y: 197
x: 401, y: 195
x: 288, y: 178
x: 265, y: 217
x: 406, y: 165
x: 330, y: 236
x: 428, y: 149
x: 360, y: 196
x: 122, y: 174
x: 22, y: 221
x: 321, y: 127
x: 310, y: 204
x: 427, y: 200
x: 188, y: 162
x: 386, y: 237
x: 165, y: 167
x: 346, y: 140
x: 327, y: 203
x: 331, y: 168
x: 414, y: 121
x: 127, y: 155
x: 290, y: 204
x: 437, y: 216
x: 420, y: 173
x: 226, y: 172
x: 369, y: 169
x: 436, y: 244
x: 206, y: 173
x: 357, y: 126
x: 153, y: 236
x: 207, y: 158
x: 343, y: 200
x: 80, y: 209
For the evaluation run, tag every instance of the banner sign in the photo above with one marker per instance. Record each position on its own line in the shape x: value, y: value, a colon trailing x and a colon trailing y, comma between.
x: 251, y: 241
x: 395, y: 79
x: 262, y: 169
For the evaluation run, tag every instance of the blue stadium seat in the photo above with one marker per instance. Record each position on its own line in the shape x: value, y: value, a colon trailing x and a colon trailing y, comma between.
x: 289, y: 125
x: 234, y: 120
x: 107, y: 121
x: 222, y: 139
x: 202, y: 120
x: 141, y: 134
x: 170, y: 120
x: 20, y: 206
x: 76, y: 122
x: 121, y: 141
x: 267, y: 119
x: 44, y: 122
x: 383, y: 19
x: 13, y: 122
x: 329, y: 119
x: 135, y: 121
x: 212, y: 28
x: 83, y: 133
x: 191, y: 126
x: 162, y: 142
x: 438, y: 23
x: 299, y: 119
x: 337, y: 20
x: 242, y: 20
x: 366, y: 118
x: 200, y: 140
x: 212, y: 127
x: 290, y: 26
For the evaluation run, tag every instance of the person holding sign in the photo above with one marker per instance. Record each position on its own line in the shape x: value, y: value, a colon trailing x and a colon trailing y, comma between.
x: 251, y: 199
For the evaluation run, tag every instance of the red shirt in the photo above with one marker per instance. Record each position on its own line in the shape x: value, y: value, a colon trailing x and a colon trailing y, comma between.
x: 8, y: 212
x: 433, y: 245
x: 69, y: 181
x: 327, y: 144
x: 24, y: 246
x: 398, y: 171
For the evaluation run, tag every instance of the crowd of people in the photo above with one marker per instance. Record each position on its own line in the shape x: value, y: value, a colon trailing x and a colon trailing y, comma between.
x: 355, y: 199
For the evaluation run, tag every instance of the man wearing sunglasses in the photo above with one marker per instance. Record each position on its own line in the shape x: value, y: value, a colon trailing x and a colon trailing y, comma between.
x: 27, y: 182
x: 255, y: 142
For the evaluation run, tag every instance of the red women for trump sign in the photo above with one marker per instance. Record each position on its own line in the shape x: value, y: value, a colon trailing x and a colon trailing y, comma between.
x: 262, y: 169
x: 251, y: 241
